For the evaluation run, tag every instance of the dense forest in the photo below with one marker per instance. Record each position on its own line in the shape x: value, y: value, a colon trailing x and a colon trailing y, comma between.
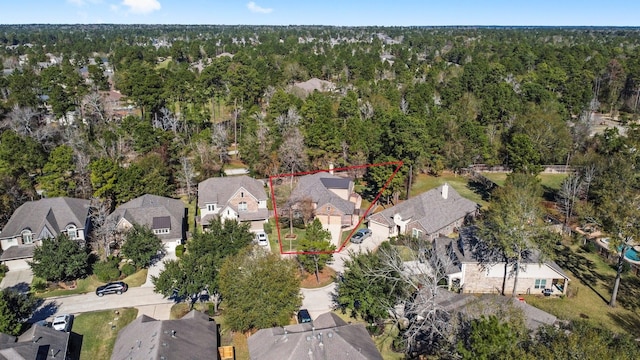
x: 436, y: 98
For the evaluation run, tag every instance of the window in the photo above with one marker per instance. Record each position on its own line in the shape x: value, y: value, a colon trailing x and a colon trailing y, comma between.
x: 72, y: 232
x: 242, y: 194
x: 27, y: 237
x: 211, y: 207
x: 541, y: 283
x: 242, y: 206
x: 416, y: 233
x: 161, y: 231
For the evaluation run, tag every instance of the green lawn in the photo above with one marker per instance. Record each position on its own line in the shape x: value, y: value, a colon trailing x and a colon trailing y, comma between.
x: 99, y: 331
x: 589, y: 292
x: 551, y: 181
x: 424, y: 182
x: 90, y: 283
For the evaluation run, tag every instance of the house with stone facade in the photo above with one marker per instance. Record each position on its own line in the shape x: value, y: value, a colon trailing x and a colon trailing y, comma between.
x: 333, y: 197
x: 233, y: 197
x: 440, y: 211
x: 472, y: 268
x: 164, y: 216
x: 36, y: 220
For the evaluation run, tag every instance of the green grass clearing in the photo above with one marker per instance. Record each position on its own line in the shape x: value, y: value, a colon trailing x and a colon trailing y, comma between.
x: 551, y: 181
x: 99, y: 331
x: 83, y: 286
x: 137, y: 279
x: 424, y: 182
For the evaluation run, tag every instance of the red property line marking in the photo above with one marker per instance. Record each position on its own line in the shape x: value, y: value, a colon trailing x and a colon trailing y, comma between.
x: 361, y: 218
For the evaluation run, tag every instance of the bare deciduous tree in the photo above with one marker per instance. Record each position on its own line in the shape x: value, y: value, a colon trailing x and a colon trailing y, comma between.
x: 424, y: 321
x: 288, y: 121
x: 568, y: 196
x: 105, y: 229
x: 220, y: 141
x: 293, y: 152
x: 366, y: 110
x: 186, y: 175
x: 22, y: 120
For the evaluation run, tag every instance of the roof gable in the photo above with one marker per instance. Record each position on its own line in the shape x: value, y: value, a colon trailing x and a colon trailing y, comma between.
x: 314, y: 186
x: 53, y: 213
x: 220, y: 190
x: 433, y: 209
x: 194, y: 336
x: 328, y: 337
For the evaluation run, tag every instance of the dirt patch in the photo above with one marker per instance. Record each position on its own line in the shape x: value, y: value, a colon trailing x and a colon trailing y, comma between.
x: 326, y: 276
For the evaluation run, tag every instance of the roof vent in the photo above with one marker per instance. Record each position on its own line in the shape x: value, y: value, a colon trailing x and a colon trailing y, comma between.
x: 173, y: 333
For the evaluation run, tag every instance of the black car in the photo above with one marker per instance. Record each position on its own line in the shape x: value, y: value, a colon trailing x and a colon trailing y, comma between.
x: 303, y: 316
x: 117, y: 287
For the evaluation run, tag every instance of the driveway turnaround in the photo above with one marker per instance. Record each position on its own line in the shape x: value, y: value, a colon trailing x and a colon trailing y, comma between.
x: 318, y: 301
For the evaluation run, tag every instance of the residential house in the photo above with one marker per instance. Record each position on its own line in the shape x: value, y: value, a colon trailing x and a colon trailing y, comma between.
x: 334, y: 200
x: 166, y: 217
x: 193, y: 337
x: 440, y: 211
x: 473, y: 268
x: 473, y: 306
x: 327, y: 337
x: 38, y: 343
x: 34, y: 221
x: 233, y: 197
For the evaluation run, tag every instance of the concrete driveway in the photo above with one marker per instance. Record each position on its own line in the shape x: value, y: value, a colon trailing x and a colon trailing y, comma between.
x: 140, y: 297
x: 158, y: 266
x: 318, y: 301
x: 19, y: 280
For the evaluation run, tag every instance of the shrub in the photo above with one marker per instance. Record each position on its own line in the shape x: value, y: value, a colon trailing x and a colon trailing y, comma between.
x: 179, y: 250
x: 3, y: 269
x: 107, y: 271
x: 589, y: 247
x: 267, y: 228
x: 39, y: 285
x: 128, y: 269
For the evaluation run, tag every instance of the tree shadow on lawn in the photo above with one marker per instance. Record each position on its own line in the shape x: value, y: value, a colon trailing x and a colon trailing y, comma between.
x: 482, y: 188
x: 581, y: 267
x: 629, y: 322
x: 549, y: 193
x: 628, y: 292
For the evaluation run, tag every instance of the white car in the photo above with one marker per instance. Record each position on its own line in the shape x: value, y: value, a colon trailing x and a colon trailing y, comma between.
x: 62, y: 322
x: 262, y: 238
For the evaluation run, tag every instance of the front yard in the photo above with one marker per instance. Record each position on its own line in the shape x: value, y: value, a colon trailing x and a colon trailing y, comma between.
x: 99, y: 331
x: 89, y: 284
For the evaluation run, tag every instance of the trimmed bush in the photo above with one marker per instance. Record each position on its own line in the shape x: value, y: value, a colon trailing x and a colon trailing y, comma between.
x: 107, y: 270
x: 267, y: 228
x: 38, y: 285
x: 179, y: 250
x: 128, y: 269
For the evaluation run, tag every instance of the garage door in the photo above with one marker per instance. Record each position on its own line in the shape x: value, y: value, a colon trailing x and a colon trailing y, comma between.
x: 20, y: 264
x: 378, y: 231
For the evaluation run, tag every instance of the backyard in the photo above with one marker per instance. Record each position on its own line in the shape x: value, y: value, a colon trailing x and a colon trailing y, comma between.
x: 590, y: 290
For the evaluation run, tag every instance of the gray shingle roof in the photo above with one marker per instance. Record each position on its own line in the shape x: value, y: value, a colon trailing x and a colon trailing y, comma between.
x: 53, y: 214
x: 328, y: 337
x: 430, y: 209
x: 17, y: 252
x: 219, y: 190
x: 476, y: 306
x: 194, y: 336
x: 316, y: 186
x: 36, y: 343
x: 144, y: 210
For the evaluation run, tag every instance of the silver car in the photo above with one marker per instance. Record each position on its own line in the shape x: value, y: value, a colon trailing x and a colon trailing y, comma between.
x: 360, y: 235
